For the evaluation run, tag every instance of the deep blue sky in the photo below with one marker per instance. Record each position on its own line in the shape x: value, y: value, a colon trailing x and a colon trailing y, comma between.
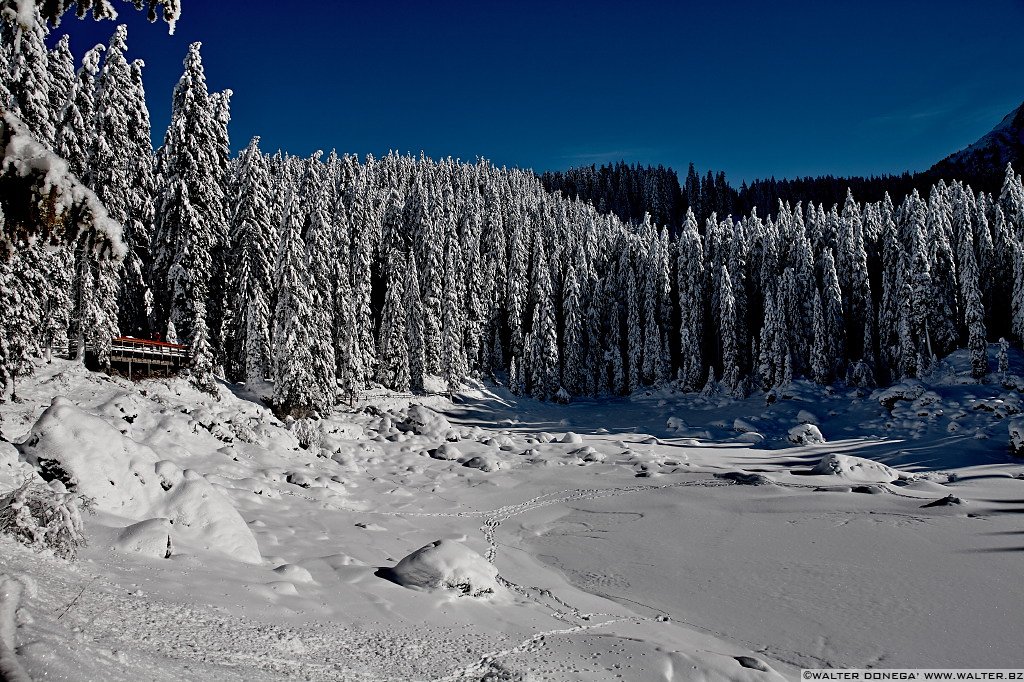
x: 751, y: 88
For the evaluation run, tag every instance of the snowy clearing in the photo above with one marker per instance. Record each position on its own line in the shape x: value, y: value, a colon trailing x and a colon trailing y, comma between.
x: 633, y: 539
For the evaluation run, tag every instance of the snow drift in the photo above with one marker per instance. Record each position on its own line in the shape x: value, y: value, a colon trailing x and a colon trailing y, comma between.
x: 90, y: 457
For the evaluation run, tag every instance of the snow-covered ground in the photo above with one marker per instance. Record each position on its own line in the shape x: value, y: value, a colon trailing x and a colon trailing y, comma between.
x: 661, y: 537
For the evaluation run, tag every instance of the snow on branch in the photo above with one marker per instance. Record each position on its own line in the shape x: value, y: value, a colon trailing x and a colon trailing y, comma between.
x: 24, y: 11
x: 41, y: 195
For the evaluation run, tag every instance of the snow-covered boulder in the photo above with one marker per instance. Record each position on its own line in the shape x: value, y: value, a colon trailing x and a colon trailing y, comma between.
x: 805, y: 434
x: 445, y: 451
x: 908, y: 390
x: 92, y: 458
x: 485, y: 462
x: 447, y: 565
x: 571, y: 437
x: 423, y: 421
x: 675, y: 424
x: 1017, y: 437
x: 151, y: 538
x: 855, y: 469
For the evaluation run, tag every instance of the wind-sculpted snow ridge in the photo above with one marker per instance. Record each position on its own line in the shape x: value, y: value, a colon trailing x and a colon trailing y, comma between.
x: 635, y: 539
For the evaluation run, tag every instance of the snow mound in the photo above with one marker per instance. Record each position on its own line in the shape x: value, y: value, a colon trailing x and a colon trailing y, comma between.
x: 12, y: 470
x: 675, y: 424
x: 1017, y: 437
x: 90, y: 457
x: 423, y: 421
x: 947, y: 501
x: 446, y: 451
x: 486, y: 463
x: 909, y: 390
x: 855, y: 469
x: 571, y: 437
x: 745, y: 478
x: 805, y: 434
x: 447, y: 565
x: 151, y: 538
x: 294, y: 574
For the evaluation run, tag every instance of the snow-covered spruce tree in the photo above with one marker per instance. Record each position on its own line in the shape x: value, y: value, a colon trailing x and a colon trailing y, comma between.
x: 43, y: 205
x: 60, y: 64
x: 832, y: 307
x: 1017, y: 300
x: 29, y: 82
x: 690, y: 283
x: 412, y: 304
x: 454, y: 366
x: 544, y: 370
x: 573, y: 345
x: 218, y: 312
x: 475, y: 289
x: 299, y: 388
x: 774, y: 343
x: 75, y: 138
x: 921, y: 288
x: 821, y: 363
x: 1004, y: 356
x: 347, y: 353
x: 653, y: 369
x: 799, y: 311
x: 365, y: 232
x: 727, y: 332
x: 431, y: 241
x: 853, y: 276
x: 251, y: 258
x: 595, y: 365
x: 518, y: 286
x: 894, y: 279
x: 318, y: 235
x: 191, y: 209
x: 942, y: 307
x: 347, y: 356
x: 634, y: 330
x: 973, y: 312
x: 393, y: 358
x: 616, y: 372
x: 122, y: 175
x: 1011, y: 199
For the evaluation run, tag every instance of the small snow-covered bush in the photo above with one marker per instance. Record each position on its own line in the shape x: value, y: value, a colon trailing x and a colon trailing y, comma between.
x: 43, y: 518
x: 805, y: 434
x: 1017, y: 437
x: 307, y: 432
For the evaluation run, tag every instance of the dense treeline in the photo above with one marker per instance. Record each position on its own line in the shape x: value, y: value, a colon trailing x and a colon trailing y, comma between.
x: 331, y: 273
x: 632, y: 190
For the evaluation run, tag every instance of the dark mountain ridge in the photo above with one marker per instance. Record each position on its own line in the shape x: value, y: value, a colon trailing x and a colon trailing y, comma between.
x: 631, y: 190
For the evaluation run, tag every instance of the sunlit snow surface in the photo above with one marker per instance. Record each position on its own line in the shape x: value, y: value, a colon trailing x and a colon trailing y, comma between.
x: 667, y: 539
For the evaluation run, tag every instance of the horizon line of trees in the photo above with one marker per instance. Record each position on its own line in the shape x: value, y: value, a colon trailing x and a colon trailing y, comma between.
x: 632, y: 190
x: 329, y: 274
